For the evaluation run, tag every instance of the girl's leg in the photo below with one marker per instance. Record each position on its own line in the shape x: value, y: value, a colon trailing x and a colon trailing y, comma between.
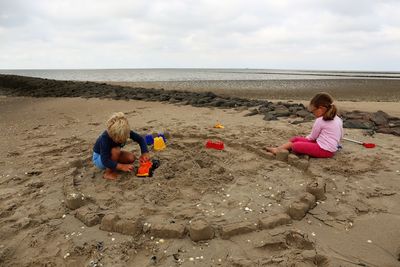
x: 299, y: 139
x: 286, y: 146
x: 109, y: 173
x: 312, y: 149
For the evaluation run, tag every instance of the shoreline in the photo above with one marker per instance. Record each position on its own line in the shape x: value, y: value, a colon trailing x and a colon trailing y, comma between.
x: 372, y: 122
x: 387, y: 90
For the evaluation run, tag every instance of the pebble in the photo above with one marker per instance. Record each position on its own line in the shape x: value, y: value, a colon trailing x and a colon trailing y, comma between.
x: 369, y: 241
x: 66, y: 255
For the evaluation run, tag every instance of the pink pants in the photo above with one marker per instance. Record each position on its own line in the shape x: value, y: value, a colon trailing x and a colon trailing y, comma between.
x: 302, y: 145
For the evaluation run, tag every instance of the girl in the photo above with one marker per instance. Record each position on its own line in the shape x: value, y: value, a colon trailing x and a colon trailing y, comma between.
x: 326, y: 133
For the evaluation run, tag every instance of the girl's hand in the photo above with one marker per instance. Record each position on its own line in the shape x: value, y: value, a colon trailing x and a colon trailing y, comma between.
x: 144, y: 157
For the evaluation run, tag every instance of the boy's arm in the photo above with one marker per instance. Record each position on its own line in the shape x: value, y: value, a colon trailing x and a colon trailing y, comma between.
x: 109, y: 163
x: 140, y: 140
x: 105, y: 151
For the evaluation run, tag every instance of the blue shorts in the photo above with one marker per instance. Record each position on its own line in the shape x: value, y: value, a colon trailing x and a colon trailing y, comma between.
x: 97, y: 161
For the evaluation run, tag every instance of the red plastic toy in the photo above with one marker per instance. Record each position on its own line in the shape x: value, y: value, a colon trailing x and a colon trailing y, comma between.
x: 219, y: 145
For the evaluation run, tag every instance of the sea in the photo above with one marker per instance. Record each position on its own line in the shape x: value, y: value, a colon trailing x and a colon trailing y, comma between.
x: 170, y: 74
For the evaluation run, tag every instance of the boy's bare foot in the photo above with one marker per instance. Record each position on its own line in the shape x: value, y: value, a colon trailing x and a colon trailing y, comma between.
x: 273, y: 150
x: 110, y: 175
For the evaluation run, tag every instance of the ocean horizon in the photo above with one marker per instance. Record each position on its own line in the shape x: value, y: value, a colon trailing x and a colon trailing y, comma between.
x: 194, y: 74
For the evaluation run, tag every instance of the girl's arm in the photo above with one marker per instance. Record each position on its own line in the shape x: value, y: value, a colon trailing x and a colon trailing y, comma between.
x: 316, y: 130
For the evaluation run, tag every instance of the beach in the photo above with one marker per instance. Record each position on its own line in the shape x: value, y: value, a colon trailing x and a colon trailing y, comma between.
x: 203, y: 207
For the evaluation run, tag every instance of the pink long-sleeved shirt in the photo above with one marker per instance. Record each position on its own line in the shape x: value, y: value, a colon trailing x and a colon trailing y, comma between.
x: 327, y: 133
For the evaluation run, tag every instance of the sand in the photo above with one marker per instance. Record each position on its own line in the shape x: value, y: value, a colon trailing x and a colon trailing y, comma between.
x: 241, y: 193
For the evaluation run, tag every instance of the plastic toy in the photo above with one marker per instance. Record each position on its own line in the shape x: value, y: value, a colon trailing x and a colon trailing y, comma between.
x: 146, y: 169
x: 159, y: 143
x: 219, y: 126
x: 149, y: 139
x: 163, y: 137
x: 219, y: 145
x: 366, y: 145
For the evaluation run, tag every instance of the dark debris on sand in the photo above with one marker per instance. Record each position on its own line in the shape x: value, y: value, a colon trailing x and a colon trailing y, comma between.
x: 13, y: 85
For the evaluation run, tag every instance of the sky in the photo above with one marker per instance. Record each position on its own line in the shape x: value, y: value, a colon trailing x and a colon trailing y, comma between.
x: 268, y: 34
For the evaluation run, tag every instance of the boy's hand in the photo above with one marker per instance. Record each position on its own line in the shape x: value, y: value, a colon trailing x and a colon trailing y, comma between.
x: 144, y: 157
x: 126, y: 167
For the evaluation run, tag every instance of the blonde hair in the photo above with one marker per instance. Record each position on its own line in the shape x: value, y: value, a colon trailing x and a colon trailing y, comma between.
x: 118, y: 127
x: 325, y: 100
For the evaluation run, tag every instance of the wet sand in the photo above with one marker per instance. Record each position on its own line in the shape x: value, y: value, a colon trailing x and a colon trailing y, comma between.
x: 386, y: 90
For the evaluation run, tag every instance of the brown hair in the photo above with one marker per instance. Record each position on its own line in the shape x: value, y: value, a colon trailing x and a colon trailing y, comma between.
x: 325, y: 100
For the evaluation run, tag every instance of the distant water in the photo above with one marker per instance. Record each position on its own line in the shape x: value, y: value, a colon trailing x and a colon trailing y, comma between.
x: 160, y: 75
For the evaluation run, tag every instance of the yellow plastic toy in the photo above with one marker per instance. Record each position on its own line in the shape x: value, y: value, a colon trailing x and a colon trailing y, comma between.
x: 159, y: 143
x: 219, y: 126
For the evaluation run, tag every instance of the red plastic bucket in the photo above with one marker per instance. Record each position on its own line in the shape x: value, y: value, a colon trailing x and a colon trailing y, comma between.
x: 219, y: 145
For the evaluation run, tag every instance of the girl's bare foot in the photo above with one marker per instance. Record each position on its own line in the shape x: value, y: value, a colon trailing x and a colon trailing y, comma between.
x: 110, y: 175
x: 273, y: 150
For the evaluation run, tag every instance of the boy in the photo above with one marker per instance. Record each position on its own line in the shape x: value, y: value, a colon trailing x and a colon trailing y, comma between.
x: 107, y: 153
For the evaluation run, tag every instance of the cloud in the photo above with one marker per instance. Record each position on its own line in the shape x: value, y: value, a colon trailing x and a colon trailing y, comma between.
x: 360, y: 34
